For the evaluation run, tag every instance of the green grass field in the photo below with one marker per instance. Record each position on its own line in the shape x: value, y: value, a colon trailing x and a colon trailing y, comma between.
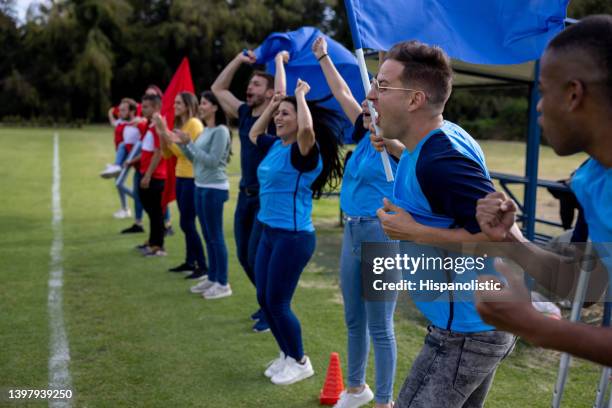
x: 139, y: 339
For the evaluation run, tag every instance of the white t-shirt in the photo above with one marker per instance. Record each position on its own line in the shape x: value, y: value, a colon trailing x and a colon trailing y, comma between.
x: 131, y: 135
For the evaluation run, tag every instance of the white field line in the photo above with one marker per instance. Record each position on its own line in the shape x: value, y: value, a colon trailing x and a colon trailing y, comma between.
x: 59, y: 357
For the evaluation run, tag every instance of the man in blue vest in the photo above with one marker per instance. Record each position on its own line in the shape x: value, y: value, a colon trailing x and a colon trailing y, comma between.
x: 576, y: 116
x: 440, y: 176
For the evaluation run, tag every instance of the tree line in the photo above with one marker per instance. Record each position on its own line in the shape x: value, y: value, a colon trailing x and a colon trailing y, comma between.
x: 72, y: 59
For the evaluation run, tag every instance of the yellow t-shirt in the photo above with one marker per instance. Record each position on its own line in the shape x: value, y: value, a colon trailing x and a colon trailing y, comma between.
x: 184, y: 168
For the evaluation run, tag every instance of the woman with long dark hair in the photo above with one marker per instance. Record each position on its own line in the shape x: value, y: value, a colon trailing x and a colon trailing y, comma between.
x: 185, y: 120
x: 299, y: 164
x: 210, y: 155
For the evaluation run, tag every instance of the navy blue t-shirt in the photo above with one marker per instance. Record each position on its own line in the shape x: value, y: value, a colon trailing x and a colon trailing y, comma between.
x: 250, y: 155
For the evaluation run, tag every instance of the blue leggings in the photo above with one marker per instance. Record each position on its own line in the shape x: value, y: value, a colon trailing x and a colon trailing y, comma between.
x: 281, y: 258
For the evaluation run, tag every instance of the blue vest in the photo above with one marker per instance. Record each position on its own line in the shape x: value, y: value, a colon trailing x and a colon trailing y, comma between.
x: 365, y: 184
x: 460, y: 316
x: 284, y: 192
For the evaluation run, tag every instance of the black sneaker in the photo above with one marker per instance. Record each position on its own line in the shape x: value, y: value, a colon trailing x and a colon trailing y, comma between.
x: 196, y: 274
x: 169, y: 231
x: 184, y: 267
x: 133, y: 229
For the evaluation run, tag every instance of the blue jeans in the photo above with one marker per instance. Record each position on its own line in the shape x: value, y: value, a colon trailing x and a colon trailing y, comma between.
x: 185, y: 199
x: 133, y: 192
x: 120, y: 154
x: 247, y: 232
x: 365, y: 318
x: 209, y: 207
x: 281, y: 258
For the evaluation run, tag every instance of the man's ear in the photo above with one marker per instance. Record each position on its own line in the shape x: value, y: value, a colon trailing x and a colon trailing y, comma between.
x: 417, y: 100
x: 574, y: 94
x: 269, y: 93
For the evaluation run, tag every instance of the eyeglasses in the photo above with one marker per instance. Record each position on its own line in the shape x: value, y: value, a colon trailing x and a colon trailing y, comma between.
x: 376, y: 85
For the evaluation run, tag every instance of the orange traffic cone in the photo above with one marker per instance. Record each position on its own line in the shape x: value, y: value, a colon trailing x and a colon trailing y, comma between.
x: 333, y: 382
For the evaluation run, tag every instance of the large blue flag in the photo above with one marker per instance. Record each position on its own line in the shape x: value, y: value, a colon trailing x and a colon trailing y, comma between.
x: 477, y: 31
x: 303, y: 64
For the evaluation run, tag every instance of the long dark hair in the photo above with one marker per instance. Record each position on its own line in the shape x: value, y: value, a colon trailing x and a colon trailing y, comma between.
x: 191, y: 103
x: 328, y: 134
x: 220, y: 117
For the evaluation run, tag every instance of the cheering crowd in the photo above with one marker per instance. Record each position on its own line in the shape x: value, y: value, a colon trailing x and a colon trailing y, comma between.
x: 290, y: 154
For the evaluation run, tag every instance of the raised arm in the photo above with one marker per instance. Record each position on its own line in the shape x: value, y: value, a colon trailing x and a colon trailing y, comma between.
x: 220, y: 87
x: 261, y: 125
x: 306, y: 134
x: 337, y: 84
x: 280, y: 78
x: 111, y: 117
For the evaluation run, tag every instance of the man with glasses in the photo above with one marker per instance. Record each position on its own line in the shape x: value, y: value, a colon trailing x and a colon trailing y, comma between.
x: 440, y: 177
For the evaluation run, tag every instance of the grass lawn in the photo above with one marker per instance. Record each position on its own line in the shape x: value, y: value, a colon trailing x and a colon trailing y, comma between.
x: 139, y: 339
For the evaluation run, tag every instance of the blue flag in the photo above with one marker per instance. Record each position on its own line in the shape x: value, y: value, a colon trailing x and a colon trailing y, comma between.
x: 476, y: 31
x: 303, y: 64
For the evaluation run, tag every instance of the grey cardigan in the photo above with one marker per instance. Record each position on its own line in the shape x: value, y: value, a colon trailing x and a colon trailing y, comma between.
x: 209, y: 154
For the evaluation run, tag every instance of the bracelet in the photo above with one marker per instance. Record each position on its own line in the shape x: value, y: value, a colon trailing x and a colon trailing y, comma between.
x: 322, y: 56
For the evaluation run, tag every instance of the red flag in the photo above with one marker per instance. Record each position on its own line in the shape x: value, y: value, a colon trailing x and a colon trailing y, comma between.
x: 181, y: 82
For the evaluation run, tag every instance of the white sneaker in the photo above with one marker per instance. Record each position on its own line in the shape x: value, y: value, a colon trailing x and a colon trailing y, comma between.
x: 275, y: 366
x: 218, y: 291
x: 121, y: 214
x: 350, y: 400
x: 111, y: 170
x: 293, y: 372
x: 203, y: 286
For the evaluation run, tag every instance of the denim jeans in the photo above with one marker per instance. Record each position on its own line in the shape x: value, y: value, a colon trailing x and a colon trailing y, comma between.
x: 281, y: 258
x: 247, y: 232
x: 133, y: 192
x: 366, y: 318
x: 185, y: 199
x: 454, y: 369
x: 120, y: 154
x: 209, y: 207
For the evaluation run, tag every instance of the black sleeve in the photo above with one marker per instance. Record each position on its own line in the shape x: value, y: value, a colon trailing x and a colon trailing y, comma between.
x: 358, y: 131
x: 304, y: 163
x: 265, y: 142
x: 452, y: 182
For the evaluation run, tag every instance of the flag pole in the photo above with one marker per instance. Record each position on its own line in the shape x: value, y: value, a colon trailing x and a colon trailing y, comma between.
x: 363, y: 70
